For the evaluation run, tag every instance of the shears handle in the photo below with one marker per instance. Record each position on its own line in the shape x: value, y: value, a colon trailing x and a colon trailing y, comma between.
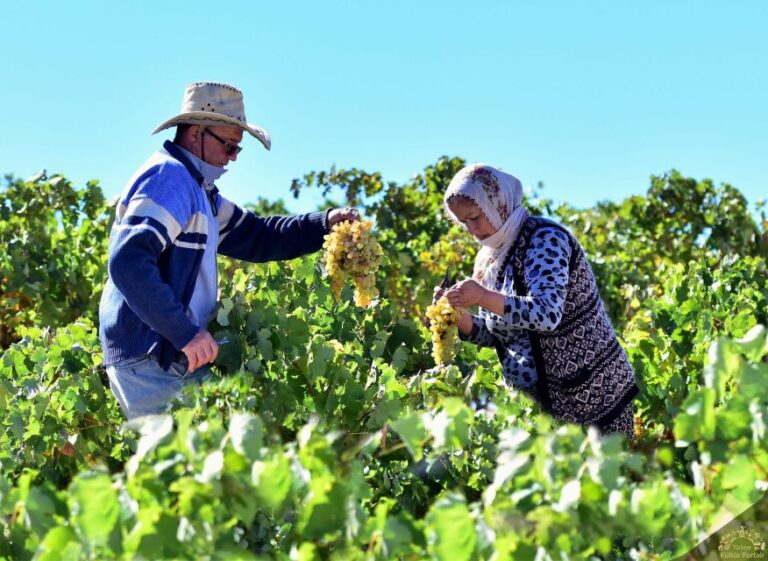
x: 448, y: 281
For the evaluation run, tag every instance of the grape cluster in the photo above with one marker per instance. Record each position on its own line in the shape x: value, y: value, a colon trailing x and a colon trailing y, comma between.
x: 352, y: 251
x: 442, y: 325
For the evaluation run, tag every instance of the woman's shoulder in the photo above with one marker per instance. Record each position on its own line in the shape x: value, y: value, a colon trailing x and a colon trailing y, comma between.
x: 546, y: 230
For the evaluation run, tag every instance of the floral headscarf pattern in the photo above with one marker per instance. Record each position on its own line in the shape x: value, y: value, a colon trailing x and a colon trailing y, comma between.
x: 490, y: 184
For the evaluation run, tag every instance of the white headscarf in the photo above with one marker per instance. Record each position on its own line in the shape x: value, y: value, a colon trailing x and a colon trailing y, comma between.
x: 499, y: 196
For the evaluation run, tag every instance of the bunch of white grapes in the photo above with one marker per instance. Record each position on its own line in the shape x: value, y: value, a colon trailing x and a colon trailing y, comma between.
x: 442, y: 325
x: 352, y: 251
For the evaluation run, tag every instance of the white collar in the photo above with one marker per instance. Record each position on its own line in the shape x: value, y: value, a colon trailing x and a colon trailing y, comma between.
x: 210, y: 172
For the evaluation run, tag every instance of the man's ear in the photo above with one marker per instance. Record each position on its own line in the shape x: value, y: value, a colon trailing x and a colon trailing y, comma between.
x: 194, y: 139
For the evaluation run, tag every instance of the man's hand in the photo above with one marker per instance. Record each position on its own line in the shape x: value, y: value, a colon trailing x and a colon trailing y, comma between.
x: 341, y: 214
x: 465, y: 294
x: 201, y: 350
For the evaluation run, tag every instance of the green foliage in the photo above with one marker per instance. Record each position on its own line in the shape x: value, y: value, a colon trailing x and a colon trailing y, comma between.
x: 52, y: 266
x: 264, y: 207
x: 679, y: 221
x: 327, y: 433
x: 669, y: 336
x: 57, y: 416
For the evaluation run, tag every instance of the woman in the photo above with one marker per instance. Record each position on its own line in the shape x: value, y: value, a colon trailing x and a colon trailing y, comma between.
x: 538, y: 305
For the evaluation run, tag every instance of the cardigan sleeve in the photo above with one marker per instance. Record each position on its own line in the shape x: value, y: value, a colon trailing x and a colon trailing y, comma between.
x: 243, y: 235
x: 480, y: 335
x: 546, y: 275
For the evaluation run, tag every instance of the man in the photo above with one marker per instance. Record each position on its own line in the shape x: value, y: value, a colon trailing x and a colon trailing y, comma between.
x: 171, y: 222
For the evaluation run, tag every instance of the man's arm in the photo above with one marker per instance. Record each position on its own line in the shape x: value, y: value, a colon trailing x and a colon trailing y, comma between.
x: 243, y: 235
x: 145, y: 230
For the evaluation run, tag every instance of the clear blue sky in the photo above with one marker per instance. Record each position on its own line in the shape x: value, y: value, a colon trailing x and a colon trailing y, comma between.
x: 590, y: 98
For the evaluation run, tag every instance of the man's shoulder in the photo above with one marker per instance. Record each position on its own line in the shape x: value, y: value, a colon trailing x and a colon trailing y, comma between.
x: 165, y: 168
x: 160, y: 176
x: 167, y: 183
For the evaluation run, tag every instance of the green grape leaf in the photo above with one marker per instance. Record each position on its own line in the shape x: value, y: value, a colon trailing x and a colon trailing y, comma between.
x: 223, y: 314
x: 412, y: 431
x: 378, y: 343
x: 234, y: 553
x: 450, y: 426
x: 94, y: 505
x: 325, y: 509
x: 399, y: 359
x: 246, y: 431
x: 154, y: 430
x: 697, y: 419
x: 754, y: 344
x: 60, y: 544
x: 272, y: 479
x: 723, y: 365
x: 304, y: 269
x: 450, y: 530
x: 753, y: 380
x: 569, y: 495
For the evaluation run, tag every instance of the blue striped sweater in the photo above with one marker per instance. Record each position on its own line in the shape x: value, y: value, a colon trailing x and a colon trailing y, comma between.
x: 156, y: 248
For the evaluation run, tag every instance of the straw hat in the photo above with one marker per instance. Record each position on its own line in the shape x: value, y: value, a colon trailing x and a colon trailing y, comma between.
x: 208, y: 103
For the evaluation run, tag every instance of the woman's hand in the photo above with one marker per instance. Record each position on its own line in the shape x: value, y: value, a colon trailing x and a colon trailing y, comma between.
x: 341, y: 214
x: 437, y: 293
x: 465, y: 294
x: 465, y: 321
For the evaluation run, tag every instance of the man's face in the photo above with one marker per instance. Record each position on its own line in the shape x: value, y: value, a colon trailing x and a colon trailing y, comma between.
x: 215, y: 149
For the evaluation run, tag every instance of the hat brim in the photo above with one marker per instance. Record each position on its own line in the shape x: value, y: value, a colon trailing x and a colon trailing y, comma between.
x: 216, y: 119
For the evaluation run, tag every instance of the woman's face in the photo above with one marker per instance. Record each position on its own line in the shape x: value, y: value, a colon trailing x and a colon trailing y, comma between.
x: 473, y: 219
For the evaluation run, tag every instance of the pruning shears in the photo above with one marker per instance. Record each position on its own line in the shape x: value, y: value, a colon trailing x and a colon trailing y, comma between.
x: 448, y: 280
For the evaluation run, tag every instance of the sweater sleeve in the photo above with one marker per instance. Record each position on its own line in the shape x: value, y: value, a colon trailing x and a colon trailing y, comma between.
x: 480, y: 335
x: 144, y: 229
x: 546, y: 276
x: 243, y: 235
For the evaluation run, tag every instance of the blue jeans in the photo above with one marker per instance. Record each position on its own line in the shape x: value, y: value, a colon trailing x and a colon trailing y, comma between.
x: 142, y: 387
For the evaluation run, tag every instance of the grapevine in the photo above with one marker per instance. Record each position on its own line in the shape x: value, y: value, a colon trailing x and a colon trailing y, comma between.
x: 352, y: 251
x: 323, y: 436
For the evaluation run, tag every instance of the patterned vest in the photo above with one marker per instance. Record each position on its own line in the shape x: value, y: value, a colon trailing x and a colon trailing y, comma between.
x: 584, y: 376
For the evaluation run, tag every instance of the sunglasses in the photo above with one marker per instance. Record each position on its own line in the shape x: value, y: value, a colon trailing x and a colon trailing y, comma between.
x: 230, y: 148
